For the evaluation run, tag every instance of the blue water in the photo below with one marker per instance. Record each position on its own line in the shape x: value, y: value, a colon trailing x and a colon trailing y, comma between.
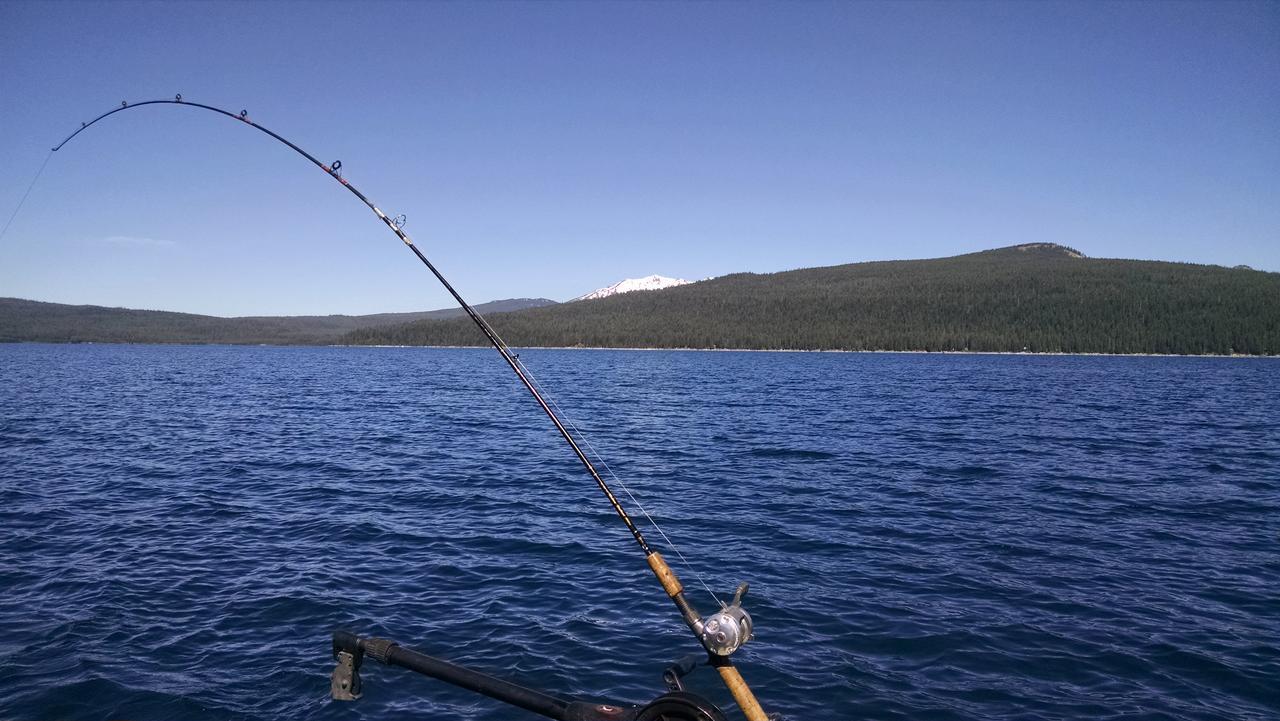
x: 926, y: 537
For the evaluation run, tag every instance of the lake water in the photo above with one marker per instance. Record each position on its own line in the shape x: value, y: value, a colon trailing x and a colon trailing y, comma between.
x: 926, y: 536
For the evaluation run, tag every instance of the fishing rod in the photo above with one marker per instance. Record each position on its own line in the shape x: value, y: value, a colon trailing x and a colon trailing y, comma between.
x: 720, y: 634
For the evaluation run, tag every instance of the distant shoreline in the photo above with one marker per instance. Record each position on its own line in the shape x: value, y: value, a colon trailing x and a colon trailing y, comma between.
x: 797, y: 350
x: 692, y: 350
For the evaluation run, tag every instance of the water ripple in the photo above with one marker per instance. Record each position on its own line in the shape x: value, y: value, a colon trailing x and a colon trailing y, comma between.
x: 941, y: 537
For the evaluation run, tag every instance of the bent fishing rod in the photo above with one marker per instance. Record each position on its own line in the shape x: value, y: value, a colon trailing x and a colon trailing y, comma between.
x: 720, y: 634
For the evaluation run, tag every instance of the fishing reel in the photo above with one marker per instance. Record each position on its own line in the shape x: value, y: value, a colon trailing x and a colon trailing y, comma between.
x: 726, y: 630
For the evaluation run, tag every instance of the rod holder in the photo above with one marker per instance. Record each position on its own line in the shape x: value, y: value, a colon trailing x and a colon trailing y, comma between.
x: 349, y: 651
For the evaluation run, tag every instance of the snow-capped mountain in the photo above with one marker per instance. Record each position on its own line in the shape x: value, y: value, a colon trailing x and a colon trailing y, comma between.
x: 651, y: 282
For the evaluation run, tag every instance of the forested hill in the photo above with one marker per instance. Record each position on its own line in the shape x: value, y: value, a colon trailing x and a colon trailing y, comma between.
x: 1037, y: 297
x: 28, y: 320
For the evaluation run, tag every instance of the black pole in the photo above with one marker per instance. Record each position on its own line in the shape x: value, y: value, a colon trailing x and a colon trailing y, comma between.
x: 742, y: 694
x: 480, y: 322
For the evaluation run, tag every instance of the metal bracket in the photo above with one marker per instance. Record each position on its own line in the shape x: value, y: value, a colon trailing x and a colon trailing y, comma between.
x: 673, y: 674
x: 344, y: 685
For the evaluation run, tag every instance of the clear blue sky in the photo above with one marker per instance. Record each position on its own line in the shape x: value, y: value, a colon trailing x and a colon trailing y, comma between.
x: 549, y: 149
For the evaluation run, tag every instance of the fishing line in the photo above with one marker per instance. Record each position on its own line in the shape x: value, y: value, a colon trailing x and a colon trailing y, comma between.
x: 24, y: 195
x: 598, y: 458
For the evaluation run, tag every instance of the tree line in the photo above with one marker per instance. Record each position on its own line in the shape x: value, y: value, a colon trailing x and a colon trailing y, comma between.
x: 1035, y: 298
